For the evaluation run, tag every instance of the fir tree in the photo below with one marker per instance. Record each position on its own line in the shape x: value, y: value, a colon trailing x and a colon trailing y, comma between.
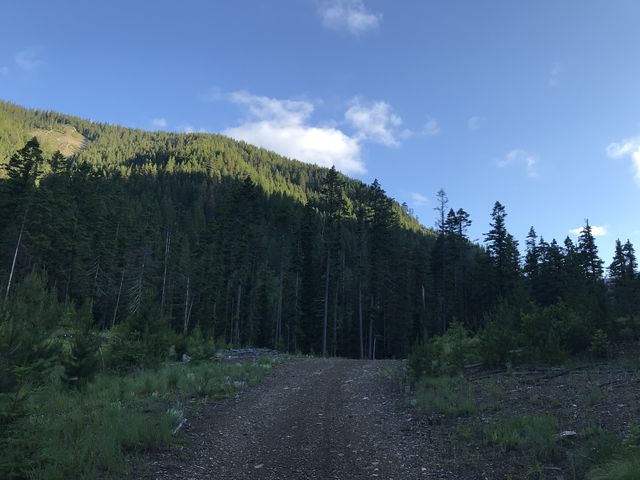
x: 591, y: 263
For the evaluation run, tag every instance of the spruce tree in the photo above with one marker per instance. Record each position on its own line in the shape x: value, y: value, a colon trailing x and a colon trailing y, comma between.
x: 532, y: 256
x: 503, y: 250
x: 591, y: 263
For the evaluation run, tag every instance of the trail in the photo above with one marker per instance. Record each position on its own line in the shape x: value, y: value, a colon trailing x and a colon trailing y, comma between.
x: 311, y: 419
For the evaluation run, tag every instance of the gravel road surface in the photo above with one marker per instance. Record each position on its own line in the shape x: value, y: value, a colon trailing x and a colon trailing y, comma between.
x: 311, y: 419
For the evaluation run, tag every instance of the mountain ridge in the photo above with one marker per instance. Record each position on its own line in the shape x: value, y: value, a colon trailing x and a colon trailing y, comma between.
x: 113, y: 147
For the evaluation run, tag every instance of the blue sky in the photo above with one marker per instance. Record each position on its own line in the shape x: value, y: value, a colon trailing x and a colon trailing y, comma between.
x: 534, y: 103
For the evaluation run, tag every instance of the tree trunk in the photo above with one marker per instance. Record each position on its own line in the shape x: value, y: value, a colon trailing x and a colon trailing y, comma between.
x: 326, y: 304
x: 424, y: 313
x: 278, y: 333
x: 296, y: 311
x: 167, y: 246
x: 15, y: 256
x: 186, y: 308
x: 360, y: 320
x: 238, y: 313
x: 335, y: 324
x: 371, y: 313
x: 115, y: 310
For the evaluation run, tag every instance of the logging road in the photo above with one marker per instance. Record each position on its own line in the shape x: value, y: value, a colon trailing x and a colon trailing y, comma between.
x: 310, y: 419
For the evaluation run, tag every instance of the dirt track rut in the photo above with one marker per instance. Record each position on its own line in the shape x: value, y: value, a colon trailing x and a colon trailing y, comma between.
x: 311, y: 419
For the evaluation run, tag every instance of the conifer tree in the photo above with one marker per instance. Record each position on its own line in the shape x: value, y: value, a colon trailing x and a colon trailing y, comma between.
x: 503, y: 250
x: 591, y: 263
x: 532, y: 256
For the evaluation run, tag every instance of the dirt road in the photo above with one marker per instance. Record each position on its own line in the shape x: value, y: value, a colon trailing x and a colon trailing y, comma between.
x: 312, y: 419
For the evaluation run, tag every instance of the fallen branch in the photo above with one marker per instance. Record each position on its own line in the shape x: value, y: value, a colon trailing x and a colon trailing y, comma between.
x: 618, y: 383
x: 472, y: 365
x: 180, y: 425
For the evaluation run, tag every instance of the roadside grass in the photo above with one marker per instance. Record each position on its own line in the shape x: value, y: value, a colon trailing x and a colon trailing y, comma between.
x: 99, y: 430
x: 627, y: 467
x: 511, y: 423
x: 445, y: 395
x: 594, y: 448
x: 533, y: 436
x: 622, y: 460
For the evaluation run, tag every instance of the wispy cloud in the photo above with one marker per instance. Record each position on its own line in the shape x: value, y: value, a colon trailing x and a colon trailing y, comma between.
x: 554, y: 74
x: 474, y: 123
x: 283, y: 126
x: 596, y: 230
x: 520, y: 157
x: 629, y: 147
x: 431, y: 127
x: 28, y: 59
x: 350, y: 15
x: 374, y: 121
x: 187, y: 128
x: 418, y: 199
x: 159, y: 122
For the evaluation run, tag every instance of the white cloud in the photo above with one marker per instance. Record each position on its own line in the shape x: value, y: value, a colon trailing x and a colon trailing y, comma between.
x: 629, y: 147
x: 282, y: 112
x: 187, y: 128
x: 418, y: 199
x: 4, y: 71
x: 159, y: 122
x: 596, y: 231
x: 282, y: 126
x: 374, y: 121
x: 554, y: 75
x: 349, y: 15
x: 28, y: 59
x: 520, y: 157
x: 474, y: 123
x: 431, y: 127
x: 406, y: 134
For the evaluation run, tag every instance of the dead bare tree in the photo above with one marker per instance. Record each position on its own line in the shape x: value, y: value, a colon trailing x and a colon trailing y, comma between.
x: 167, y: 246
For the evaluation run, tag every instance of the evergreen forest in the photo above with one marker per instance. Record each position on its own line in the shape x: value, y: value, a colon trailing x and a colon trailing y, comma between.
x: 123, y: 248
x: 169, y: 233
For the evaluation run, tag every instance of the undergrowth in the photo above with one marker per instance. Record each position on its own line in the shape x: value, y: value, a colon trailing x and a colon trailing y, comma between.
x: 99, y: 430
x: 446, y: 395
x: 535, y: 436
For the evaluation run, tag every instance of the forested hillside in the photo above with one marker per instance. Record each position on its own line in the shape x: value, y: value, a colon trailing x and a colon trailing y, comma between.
x: 122, y: 249
x: 164, y: 233
x: 160, y: 231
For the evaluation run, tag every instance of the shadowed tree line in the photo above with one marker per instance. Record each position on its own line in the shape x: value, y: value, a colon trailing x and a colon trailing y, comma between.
x: 182, y: 250
x: 180, y: 233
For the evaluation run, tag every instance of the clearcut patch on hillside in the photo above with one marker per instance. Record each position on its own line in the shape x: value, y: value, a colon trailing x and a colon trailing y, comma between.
x: 64, y: 138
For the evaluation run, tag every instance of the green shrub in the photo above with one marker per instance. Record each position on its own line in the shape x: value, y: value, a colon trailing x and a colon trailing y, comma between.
x: 622, y: 461
x: 541, y: 335
x: 625, y: 467
x: 447, y: 395
x: 93, y: 431
x: 82, y: 362
x: 575, y: 330
x: 533, y: 436
x: 443, y: 355
x: 595, y: 447
x: 497, y: 344
x: 599, y: 347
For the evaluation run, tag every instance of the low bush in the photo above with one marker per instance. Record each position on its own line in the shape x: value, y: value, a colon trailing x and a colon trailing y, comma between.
x: 443, y: 355
x: 447, y: 395
x: 538, y: 335
x: 623, y: 462
x: 533, y: 436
